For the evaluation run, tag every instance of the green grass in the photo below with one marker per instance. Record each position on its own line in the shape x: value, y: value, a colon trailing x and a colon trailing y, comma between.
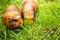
x: 46, y: 24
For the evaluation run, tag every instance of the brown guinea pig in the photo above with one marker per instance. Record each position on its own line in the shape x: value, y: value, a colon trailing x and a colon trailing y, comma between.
x: 12, y: 17
x: 29, y: 8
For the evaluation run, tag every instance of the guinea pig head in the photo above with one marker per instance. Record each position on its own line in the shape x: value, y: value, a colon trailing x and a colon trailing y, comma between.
x: 12, y: 17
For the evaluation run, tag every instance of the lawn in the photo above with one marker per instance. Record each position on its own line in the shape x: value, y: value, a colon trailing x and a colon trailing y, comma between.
x: 46, y: 24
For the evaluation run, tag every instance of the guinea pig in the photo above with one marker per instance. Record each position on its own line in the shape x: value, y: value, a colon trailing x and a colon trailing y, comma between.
x: 12, y: 17
x: 28, y: 8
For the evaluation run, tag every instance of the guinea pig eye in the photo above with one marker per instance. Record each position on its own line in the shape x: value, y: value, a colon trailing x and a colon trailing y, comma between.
x: 9, y: 19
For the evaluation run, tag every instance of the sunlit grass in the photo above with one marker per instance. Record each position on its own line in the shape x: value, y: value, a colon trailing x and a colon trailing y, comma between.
x: 46, y: 24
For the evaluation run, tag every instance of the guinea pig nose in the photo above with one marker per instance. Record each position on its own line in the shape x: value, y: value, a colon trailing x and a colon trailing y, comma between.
x: 10, y: 20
